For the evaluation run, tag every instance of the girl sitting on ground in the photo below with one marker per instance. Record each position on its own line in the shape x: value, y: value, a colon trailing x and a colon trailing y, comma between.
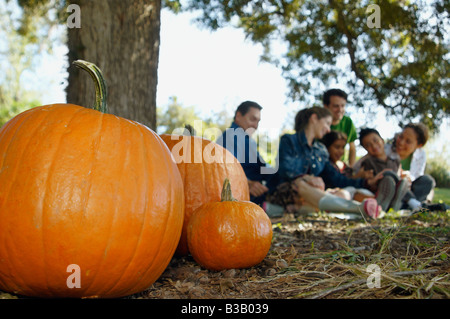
x: 335, y: 142
x: 408, y: 146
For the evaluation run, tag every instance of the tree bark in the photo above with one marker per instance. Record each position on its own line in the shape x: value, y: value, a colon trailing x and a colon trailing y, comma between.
x: 122, y: 38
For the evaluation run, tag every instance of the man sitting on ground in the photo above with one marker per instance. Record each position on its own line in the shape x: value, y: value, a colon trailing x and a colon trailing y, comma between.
x: 335, y: 100
x: 237, y: 139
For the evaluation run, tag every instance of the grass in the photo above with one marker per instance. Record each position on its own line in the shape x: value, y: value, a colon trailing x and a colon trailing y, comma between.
x: 442, y: 194
x: 412, y: 255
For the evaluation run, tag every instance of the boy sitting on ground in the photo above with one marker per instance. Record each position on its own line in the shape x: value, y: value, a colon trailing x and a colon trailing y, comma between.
x: 391, y: 189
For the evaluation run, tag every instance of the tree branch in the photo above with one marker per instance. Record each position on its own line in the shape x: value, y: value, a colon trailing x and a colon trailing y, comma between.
x: 351, y: 39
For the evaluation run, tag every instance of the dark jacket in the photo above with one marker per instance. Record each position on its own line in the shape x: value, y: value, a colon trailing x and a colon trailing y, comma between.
x: 245, y: 150
x: 235, y: 140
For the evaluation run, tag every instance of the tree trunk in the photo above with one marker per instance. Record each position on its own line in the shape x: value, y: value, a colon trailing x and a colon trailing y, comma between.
x: 122, y: 38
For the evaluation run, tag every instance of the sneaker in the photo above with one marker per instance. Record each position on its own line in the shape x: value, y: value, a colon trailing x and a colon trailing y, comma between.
x: 361, y: 194
x: 372, y: 209
x: 386, y: 192
x: 400, y: 192
x: 273, y: 210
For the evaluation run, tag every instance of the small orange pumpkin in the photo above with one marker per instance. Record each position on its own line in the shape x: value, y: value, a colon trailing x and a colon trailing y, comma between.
x: 91, y: 204
x: 229, y: 234
x: 203, y: 166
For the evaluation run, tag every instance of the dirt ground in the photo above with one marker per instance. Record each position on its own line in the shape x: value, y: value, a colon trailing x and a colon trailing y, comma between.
x: 323, y: 256
x: 320, y: 256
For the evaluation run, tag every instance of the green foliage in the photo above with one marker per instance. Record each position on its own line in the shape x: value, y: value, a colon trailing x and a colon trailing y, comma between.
x: 173, y: 118
x: 440, y: 172
x: 37, y: 20
x: 402, y: 66
x: 173, y: 5
x: 7, y: 112
x: 438, y: 164
x: 17, y: 57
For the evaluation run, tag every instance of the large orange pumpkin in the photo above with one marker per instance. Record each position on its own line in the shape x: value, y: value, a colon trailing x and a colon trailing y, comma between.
x: 229, y: 233
x: 203, y: 166
x: 89, y: 194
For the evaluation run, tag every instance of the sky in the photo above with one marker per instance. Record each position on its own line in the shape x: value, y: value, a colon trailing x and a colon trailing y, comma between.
x: 211, y: 71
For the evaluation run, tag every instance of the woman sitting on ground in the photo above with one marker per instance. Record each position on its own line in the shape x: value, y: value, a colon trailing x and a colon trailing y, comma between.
x: 408, y: 146
x: 304, y: 169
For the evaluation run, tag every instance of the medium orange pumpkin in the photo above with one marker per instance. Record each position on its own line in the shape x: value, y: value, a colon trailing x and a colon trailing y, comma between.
x: 87, y: 198
x: 203, y: 166
x: 229, y: 234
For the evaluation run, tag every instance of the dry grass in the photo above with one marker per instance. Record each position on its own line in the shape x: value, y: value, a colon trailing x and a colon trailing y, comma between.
x: 325, y: 257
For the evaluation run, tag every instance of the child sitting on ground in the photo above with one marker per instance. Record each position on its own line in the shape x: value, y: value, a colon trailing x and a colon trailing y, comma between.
x: 335, y: 142
x: 391, y: 189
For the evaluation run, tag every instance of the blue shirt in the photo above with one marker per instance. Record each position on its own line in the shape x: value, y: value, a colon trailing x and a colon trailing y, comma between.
x: 297, y: 157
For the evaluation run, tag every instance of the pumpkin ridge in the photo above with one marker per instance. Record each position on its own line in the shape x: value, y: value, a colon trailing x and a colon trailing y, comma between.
x: 216, y: 174
x: 13, y: 179
x: 210, y: 170
x: 129, y: 263
x: 21, y: 118
x: 95, y: 156
x: 17, y: 130
x: 168, y: 215
x: 86, y: 204
x: 187, y: 172
x: 161, y: 268
x: 196, y: 170
x: 205, y: 172
x: 43, y: 210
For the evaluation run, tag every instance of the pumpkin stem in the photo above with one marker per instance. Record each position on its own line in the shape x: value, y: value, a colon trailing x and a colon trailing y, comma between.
x: 227, y: 196
x: 99, y: 82
x: 190, y: 129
